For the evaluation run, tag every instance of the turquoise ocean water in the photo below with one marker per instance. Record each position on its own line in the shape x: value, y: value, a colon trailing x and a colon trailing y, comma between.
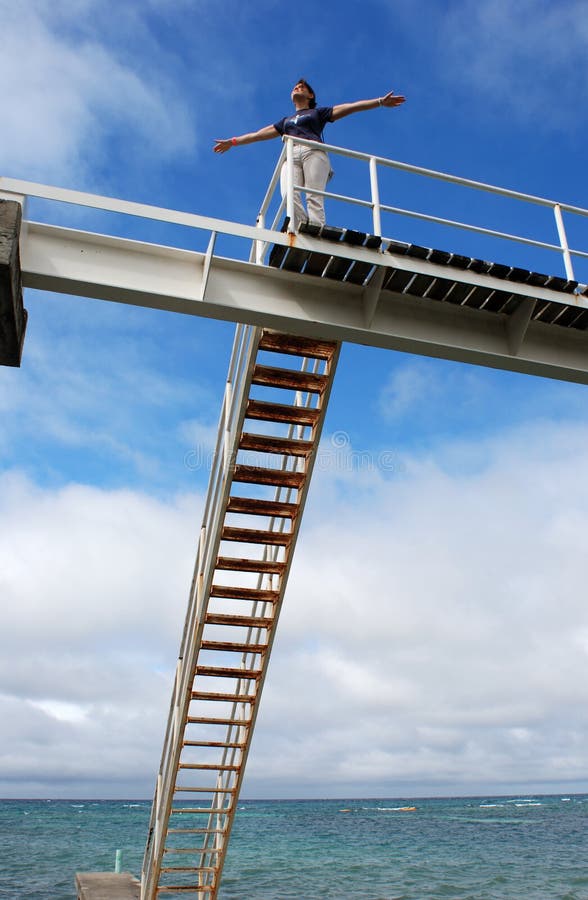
x: 489, y: 849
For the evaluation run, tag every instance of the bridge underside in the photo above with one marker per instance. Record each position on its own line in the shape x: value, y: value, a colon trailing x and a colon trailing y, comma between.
x: 337, y: 287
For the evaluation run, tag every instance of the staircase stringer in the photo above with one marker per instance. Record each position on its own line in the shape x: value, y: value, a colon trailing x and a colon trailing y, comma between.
x: 192, y: 674
x: 316, y: 435
x: 229, y: 432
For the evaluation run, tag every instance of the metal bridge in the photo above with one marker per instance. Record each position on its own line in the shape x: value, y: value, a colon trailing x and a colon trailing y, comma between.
x: 296, y: 299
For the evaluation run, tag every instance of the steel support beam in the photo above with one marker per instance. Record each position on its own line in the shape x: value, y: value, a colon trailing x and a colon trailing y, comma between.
x: 88, y: 265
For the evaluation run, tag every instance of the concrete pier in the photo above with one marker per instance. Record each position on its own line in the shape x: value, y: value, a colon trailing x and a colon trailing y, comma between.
x: 13, y: 316
x: 107, y: 886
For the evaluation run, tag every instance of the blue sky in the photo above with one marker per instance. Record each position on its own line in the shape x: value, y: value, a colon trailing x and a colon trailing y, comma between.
x: 449, y: 637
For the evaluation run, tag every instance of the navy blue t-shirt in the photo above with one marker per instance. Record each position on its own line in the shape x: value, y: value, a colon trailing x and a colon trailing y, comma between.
x: 306, y: 123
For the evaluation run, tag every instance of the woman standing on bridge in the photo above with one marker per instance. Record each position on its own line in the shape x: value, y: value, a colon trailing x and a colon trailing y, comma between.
x: 311, y: 167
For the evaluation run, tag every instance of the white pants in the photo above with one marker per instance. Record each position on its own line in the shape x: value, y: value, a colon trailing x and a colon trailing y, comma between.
x: 311, y: 169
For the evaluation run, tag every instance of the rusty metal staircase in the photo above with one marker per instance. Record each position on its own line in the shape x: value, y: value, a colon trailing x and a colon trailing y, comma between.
x: 269, y: 430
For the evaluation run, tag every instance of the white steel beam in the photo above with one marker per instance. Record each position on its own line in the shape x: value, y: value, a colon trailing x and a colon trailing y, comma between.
x: 88, y: 265
x: 518, y: 323
x: 371, y: 295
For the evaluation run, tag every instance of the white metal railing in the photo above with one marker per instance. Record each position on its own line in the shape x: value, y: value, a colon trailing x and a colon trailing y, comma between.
x: 378, y: 207
x: 230, y: 424
x: 13, y: 188
x: 232, y: 415
x: 261, y: 237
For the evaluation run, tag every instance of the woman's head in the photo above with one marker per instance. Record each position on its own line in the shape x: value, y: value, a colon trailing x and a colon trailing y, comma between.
x: 302, y: 89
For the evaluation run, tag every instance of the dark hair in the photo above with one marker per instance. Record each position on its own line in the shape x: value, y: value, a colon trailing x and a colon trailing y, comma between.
x: 312, y: 101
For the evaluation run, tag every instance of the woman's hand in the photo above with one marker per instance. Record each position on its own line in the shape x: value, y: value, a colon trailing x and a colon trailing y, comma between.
x: 391, y: 99
x: 221, y: 146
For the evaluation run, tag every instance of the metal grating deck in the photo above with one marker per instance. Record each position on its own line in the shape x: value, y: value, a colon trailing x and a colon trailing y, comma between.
x: 567, y: 313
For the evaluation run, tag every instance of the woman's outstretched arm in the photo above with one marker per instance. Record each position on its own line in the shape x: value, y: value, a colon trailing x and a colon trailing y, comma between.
x: 389, y: 100
x: 264, y: 134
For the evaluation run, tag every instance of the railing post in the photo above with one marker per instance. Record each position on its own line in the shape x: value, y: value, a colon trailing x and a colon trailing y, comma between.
x: 201, y: 564
x: 563, y: 240
x: 177, y: 699
x: 228, y: 427
x: 259, y: 245
x: 290, y: 184
x: 376, y: 211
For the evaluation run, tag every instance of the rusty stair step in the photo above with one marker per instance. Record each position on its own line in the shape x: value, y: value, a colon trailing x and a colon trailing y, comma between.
x: 211, y: 790
x: 229, y: 745
x: 253, y: 507
x: 261, y: 443
x: 183, y: 889
x: 194, y: 850
x: 289, y: 379
x: 281, y: 412
x: 263, y: 566
x: 228, y: 672
x: 255, y: 536
x: 245, y: 621
x: 179, y: 789
x: 239, y: 593
x: 233, y: 646
x: 219, y: 720
x: 229, y: 698
x: 196, y: 811
x: 196, y: 831
x: 261, y: 475
x: 209, y: 767
x: 210, y: 869
x: 297, y: 346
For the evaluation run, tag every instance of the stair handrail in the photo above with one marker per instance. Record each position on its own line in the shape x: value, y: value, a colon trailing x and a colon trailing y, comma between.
x: 377, y: 207
x: 230, y: 422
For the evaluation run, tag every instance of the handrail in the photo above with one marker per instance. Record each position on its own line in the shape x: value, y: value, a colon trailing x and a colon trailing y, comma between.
x: 131, y: 208
x: 233, y: 412
x: 378, y: 207
x: 442, y: 176
x: 261, y: 236
x: 243, y: 354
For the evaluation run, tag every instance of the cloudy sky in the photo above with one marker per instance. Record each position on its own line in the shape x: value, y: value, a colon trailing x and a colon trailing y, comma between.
x: 435, y: 628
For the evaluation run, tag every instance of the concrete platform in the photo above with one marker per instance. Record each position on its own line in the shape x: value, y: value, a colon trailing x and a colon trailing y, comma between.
x: 13, y: 316
x: 107, y: 886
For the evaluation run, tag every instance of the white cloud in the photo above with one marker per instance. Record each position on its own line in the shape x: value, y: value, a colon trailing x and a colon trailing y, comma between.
x: 436, y: 630
x: 433, y: 633
x: 66, y: 93
x: 80, y: 563
x: 407, y: 386
x: 63, y: 712
x: 528, y: 59
x: 94, y: 586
